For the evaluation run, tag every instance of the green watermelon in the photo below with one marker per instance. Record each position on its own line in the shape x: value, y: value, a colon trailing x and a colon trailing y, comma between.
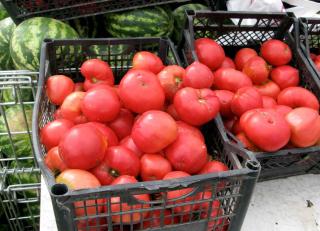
x: 27, y: 39
x: 86, y: 27
x: 7, y: 27
x: 145, y: 22
x: 3, y: 12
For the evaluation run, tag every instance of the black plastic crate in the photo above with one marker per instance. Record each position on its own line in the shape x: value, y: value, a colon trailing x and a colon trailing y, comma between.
x: 235, y: 35
x: 233, y: 189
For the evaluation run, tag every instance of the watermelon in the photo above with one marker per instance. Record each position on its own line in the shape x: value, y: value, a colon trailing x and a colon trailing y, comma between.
x: 27, y: 38
x: 145, y: 22
x: 7, y: 27
x: 3, y: 12
x: 86, y: 27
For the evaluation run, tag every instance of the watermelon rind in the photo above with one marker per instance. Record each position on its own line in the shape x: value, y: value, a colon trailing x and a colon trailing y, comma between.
x: 3, y: 12
x: 7, y: 27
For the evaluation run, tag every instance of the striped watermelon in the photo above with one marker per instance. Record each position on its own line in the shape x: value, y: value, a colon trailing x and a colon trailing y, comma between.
x: 3, y: 12
x: 145, y: 22
x: 7, y: 27
x: 86, y: 27
x: 27, y: 38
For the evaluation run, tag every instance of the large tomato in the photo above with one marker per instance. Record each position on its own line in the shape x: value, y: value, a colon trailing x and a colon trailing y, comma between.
x: 298, y: 97
x: 196, y: 106
x: 230, y: 79
x: 246, y: 142
x: 209, y: 52
x: 268, y: 102
x: 282, y: 109
x: 268, y: 88
x: 173, y: 112
x: 83, y: 147
x: 96, y: 70
x: 188, y: 129
x: 154, y: 167
x: 225, y: 97
x: 107, y: 132
x: 71, y: 107
x: 198, y: 76
x: 54, y: 161
x: 257, y: 69
x: 122, y: 125
x: 58, y: 87
x: 227, y: 62
x: 276, y: 52
x: 285, y: 76
x: 88, y: 84
x: 154, y: 131
x: 52, y: 132
x: 242, y: 56
x: 153, y: 220
x: 305, y: 126
x: 128, y: 143
x: 141, y: 91
x: 148, y: 61
x: 214, y: 166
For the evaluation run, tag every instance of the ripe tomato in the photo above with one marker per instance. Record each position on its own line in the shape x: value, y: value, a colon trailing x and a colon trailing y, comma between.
x: 196, y: 106
x: 154, y: 131
x: 228, y: 63
x: 88, y: 84
x: 230, y: 79
x: 257, y: 69
x: 96, y: 70
x: 245, y: 99
x: 242, y: 56
x: 136, y: 85
x: 78, y: 87
x: 107, y: 132
x: 317, y: 62
x: 154, y: 167
x: 313, y: 56
x: 267, y: 129
x: 54, y: 161
x: 188, y: 129
x: 214, y: 166
x: 305, y: 126
x: 298, y: 97
x: 104, y: 173
x: 128, y: 143
x: 285, y: 76
x: 52, y: 132
x: 276, y: 52
x: 153, y: 220
x: 58, y: 87
x: 268, y: 102
x: 148, y: 61
x: 122, y: 125
x: 57, y: 114
x: 82, y: 147
x: 79, y: 179
x: 282, y: 109
x: 71, y: 107
x: 173, y: 112
x: 246, y: 142
x: 198, y: 76
x: 237, y: 127
x: 209, y: 52
x: 171, y: 78
x: 269, y: 88
x: 225, y: 97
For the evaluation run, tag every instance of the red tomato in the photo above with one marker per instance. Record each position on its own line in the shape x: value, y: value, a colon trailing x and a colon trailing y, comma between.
x: 153, y: 220
x: 107, y: 132
x: 148, y: 61
x: 58, y: 87
x: 245, y: 99
x: 268, y: 102
x: 96, y: 70
x: 237, y: 127
x: 313, y: 56
x: 196, y: 106
x: 173, y: 112
x: 228, y: 63
x: 282, y: 109
x: 269, y: 88
x: 209, y: 52
x: 285, y: 76
x: 225, y: 97
x: 267, y: 129
x: 88, y: 84
x: 52, y: 132
x: 83, y: 147
x: 298, y: 97
x: 188, y: 129
x: 214, y: 166
x: 276, y: 52
x: 242, y: 56
x: 317, y: 62
x: 78, y: 87
x: 198, y: 76
x: 71, y: 107
x: 171, y: 78
x: 92, y: 224
x: 79, y: 179
x: 104, y: 173
x: 54, y: 161
x: 154, y: 131
x: 135, y: 86
x: 257, y: 69
x: 154, y: 167
x: 128, y: 143
x: 230, y: 79
x: 246, y: 142
x: 122, y: 125
x: 305, y: 126
x: 57, y: 114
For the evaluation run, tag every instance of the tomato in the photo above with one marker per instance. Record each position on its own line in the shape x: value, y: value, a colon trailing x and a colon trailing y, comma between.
x: 245, y: 99
x: 107, y: 132
x: 237, y: 127
x: 298, y: 97
x: 285, y: 76
x: 78, y: 87
x: 101, y: 105
x: 88, y: 84
x: 282, y: 109
x: 58, y: 87
x: 82, y: 147
x: 136, y: 85
x: 122, y: 125
x: 267, y: 129
x: 71, y: 107
x: 153, y: 220
x: 57, y: 114
x: 242, y: 56
x: 154, y: 167
x: 276, y: 52
x: 230, y: 79
x: 188, y: 152
x: 225, y: 97
x: 228, y: 63
x: 128, y: 143
x: 96, y: 70
x: 268, y: 102
x: 54, y: 161
x: 313, y: 56
x: 92, y: 224
x: 171, y: 78
x: 148, y: 61
x: 52, y: 132
x: 196, y: 106
x: 104, y: 173
x: 246, y: 142
x: 132, y: 215
x: 317, y: 62
x: 305, y: 126
x: 269, y: 88
x: 198, y: 76
x: 79, y: 179
x: 257, y: 69
x: 209, y: 52
x: 154, y: 131
x: 188, y: 129
x: 173, y: 112
x: 214, y: 166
